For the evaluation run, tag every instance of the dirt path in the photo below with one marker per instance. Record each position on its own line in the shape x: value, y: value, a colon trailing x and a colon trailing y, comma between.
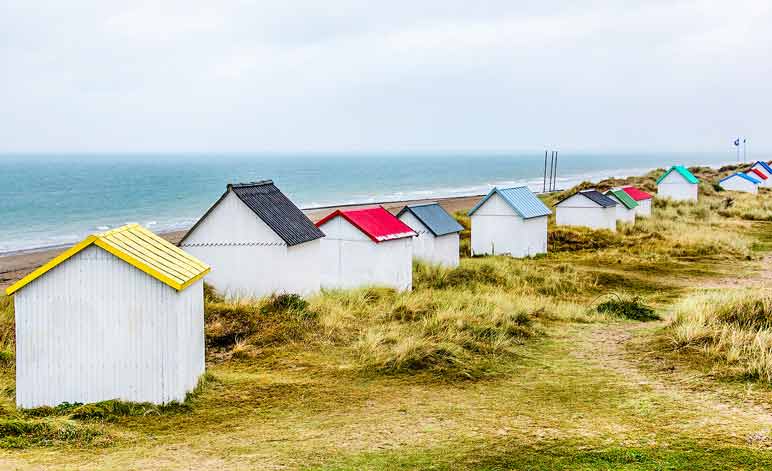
x: 622, y: 348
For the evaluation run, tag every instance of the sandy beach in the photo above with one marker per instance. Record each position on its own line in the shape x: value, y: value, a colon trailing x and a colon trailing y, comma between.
x: 15, y: 266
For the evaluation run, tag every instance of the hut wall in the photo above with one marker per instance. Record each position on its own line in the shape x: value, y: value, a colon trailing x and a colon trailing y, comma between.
x: 498, y: 230
x: 581, y: 211
x: 95, y: 328
x: 739, y: 184
x: 247, y: 258
x: 442, y: 250
x: 676, y: 188
x: 350, y: 259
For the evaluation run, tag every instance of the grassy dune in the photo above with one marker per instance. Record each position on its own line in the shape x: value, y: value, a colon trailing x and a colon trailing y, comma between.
x: 497, y: 364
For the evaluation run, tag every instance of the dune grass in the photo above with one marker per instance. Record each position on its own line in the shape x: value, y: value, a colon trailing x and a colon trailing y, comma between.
x: 731, y: 329
x: 484, y: 366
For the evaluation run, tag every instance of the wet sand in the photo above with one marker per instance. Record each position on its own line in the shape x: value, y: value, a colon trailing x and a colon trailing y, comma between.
x: 15, y: 266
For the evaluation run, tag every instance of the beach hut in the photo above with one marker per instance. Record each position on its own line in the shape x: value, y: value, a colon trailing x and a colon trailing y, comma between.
x: 437, y: 240
x: 642, y: 198
x: 740, y: 182
x: 764, y: 168
x: 366, y: 247
x: 587, y: 208
x: 509, y: 221
x: 764, y: 178
x: 258, y: 243
x: 678, y: 184
x: 119, y: 315
x: 626, y: 205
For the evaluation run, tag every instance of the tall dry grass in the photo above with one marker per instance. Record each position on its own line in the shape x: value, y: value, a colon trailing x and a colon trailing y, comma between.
x: 7, y: 331
x: 732, y: 328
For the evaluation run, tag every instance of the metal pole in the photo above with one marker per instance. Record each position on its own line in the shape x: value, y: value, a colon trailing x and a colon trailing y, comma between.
x: 555, y: 179
x: 745, y: 151
x: 544, y: 182
x: 552, y: 172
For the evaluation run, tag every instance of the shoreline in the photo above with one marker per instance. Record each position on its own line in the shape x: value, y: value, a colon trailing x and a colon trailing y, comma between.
x: 16, y: 265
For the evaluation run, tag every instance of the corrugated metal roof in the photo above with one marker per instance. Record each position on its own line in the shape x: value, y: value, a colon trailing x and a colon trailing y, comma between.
x: 741, y: 175
x: 636, y: 194
x: 138, y: 247
x: 756, y: 173
x: 434, y: 217
x: 595, y: 196
x: 764, y: 165
x: 376, y: 223
x: 683, y: 171
x: 276, y: 210
x: 621, y: 196
x: 520, y: 199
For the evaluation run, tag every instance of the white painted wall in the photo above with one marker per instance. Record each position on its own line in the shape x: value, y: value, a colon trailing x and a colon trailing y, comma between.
x: 498, y: 230
x: 643, y: 208
x: 579, y: 210
x: 623, y: 213
x: 95, y: 328
x: 350, y: 259
x: 675, y: 187
x: 740, y: 184
x: 441, y: 250
x: 248, y: 259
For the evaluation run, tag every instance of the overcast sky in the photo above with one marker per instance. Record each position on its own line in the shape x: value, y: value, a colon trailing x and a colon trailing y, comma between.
x: 341, y: 75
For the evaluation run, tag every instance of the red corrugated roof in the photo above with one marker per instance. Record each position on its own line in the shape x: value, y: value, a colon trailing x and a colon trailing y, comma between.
x: 636, y: 194
x: 377, y: 223
x: 757, y: 172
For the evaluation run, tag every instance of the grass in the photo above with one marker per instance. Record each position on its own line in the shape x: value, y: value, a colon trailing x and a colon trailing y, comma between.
x: 732, y: 329
x: 496, y: 364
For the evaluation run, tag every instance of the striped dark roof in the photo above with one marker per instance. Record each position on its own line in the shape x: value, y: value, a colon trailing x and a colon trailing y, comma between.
x: 277, y: 211
x: 595, y: 196
x: 274, y: 209
x: 434, y: 217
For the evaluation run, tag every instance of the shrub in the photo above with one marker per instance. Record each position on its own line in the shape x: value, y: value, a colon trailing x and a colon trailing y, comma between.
x: 571, y: 239
x: 627, y: 307
x: 23, y: 433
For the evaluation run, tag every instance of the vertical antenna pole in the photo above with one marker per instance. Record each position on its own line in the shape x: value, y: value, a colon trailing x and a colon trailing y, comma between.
x: 555, y: 178
x: 544, y: 182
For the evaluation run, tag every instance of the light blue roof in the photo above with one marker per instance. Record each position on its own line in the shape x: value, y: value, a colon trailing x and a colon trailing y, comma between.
x: 741, y: 175
x: 519, y: 198
x: 764, y: 165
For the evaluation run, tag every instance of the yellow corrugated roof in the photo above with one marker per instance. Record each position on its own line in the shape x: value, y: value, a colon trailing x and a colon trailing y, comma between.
x: 138, y: 247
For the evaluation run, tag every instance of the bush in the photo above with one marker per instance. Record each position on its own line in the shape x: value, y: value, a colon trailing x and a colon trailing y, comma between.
x: 627, y: 307
x: 571, y: 239
x: 273, y: 320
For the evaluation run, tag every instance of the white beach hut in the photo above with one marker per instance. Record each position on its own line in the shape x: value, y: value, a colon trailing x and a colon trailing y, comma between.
x: 258, y: 243
x: 366, y: 247
x: 509, y: 221
x: 118, y: 316
x: 643, y: 199
x: 678, y: 184
x: 626, y: 205
x: 437, y: 240
x: 587, y: 208
x: 740, y: 182
x: 762, y: 172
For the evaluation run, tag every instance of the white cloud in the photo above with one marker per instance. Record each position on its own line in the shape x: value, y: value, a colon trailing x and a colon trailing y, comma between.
x: 346, y: 74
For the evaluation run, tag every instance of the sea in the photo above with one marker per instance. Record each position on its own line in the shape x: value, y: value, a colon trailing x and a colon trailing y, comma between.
x: 49, y: 200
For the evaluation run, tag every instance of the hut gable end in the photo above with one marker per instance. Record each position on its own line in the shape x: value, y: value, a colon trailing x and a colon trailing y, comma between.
x: 231, y: 222
x: 496, y: 206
